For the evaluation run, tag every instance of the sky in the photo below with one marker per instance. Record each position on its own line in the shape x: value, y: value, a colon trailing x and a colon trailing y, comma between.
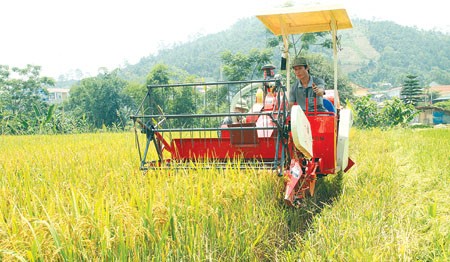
x: 64, y: 35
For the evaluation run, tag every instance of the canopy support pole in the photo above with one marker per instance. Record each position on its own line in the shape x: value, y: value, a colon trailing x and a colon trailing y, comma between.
x: 286, y: 53
x: 335, y: 60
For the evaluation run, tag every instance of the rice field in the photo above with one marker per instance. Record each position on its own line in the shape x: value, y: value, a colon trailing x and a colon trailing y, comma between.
x: 82, y: 198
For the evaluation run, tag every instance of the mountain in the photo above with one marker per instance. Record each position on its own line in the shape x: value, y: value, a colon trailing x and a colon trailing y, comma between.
x: 373, y: 53
x: 202, y: 55
x: 387, y: 52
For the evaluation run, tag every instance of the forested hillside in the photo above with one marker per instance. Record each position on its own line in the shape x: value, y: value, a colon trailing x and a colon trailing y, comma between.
x: 373, y: 53
x: 402, y: 50
x: 201, y: 57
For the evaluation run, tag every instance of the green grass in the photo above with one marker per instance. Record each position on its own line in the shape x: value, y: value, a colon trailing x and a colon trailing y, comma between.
x: 82, y: 197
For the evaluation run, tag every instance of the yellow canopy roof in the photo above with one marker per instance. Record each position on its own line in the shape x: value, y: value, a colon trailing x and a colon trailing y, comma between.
x: 306, y: 19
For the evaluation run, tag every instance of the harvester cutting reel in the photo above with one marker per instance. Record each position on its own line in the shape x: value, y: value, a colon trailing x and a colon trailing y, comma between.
x: 270, y: 137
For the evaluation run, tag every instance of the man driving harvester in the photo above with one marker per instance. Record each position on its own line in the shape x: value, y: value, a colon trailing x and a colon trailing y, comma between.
x: 307, y: 87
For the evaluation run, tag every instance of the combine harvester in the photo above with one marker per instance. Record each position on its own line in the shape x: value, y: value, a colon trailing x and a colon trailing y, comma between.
x: 298, y: 145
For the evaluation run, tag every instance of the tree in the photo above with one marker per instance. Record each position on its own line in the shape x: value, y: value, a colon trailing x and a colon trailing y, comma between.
x: 444, y: 105
x: 236, y: 67
x: 395, y: 113
x: 99, y: 99
x: 411, y: 91
x: 184, y: 103
x: 22, y: 99
x: 366, y: 112
x: 159, y: 75
x: 136, y: 92
x: 322, y: 68
x: 240, y: 66
x: 172, y: 100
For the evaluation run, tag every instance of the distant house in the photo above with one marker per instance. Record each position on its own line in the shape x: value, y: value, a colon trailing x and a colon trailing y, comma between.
x: 442, y: 89
x: 441, y: 99
x: 380, y: 96
x: 57, y: 95
x: 444, y: 93
x: 394, y: 92
x: 432, y: 115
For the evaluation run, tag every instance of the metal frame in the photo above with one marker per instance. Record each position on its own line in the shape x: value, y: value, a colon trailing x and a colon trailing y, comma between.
x: 154, y: 133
